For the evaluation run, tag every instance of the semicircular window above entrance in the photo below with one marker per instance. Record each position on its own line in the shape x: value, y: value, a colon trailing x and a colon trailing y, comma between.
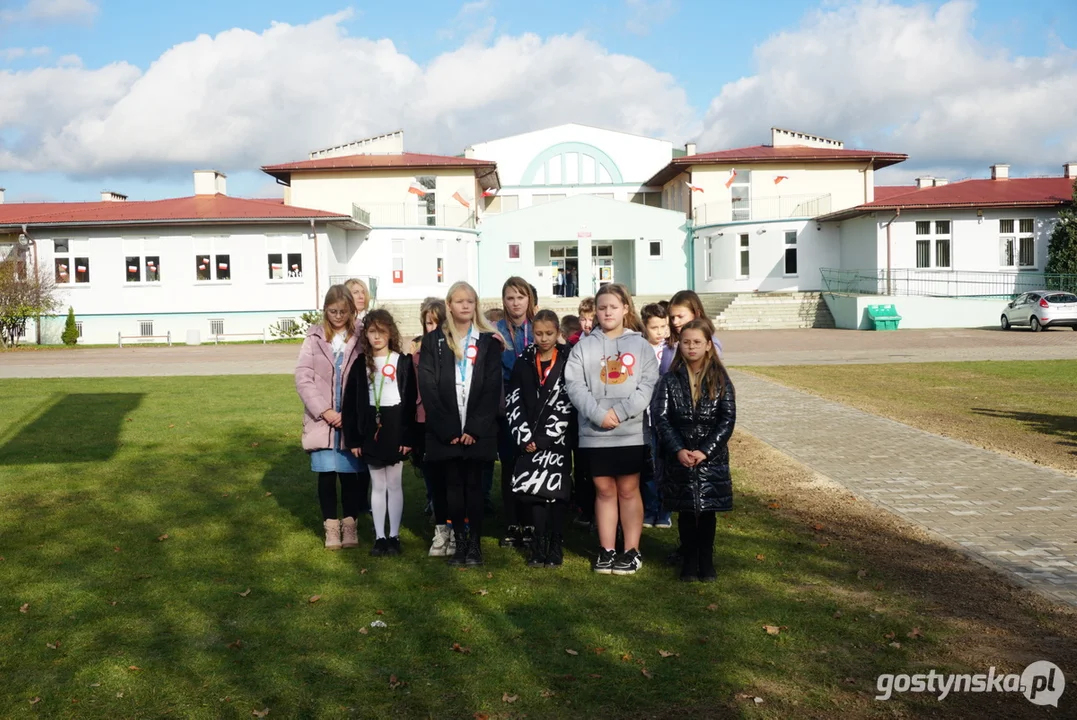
x: 572, y: 164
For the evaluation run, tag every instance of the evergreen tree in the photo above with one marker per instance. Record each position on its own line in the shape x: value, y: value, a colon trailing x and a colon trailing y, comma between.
x: 1062, y: 252
x: 70, y: 335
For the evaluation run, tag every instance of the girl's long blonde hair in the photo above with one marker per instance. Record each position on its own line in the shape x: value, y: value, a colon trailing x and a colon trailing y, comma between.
x: 449, y: 328
x: 334, y: 295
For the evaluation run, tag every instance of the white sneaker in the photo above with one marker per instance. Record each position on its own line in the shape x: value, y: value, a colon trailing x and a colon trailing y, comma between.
x: 440, y: 546
x: 450, y: 543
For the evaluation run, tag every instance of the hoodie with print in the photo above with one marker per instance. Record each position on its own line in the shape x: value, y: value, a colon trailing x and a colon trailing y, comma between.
x: 618, y: 373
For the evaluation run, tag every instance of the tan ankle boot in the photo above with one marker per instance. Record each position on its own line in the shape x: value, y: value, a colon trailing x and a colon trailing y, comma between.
x: 349, y: 533
x: 332, y: 534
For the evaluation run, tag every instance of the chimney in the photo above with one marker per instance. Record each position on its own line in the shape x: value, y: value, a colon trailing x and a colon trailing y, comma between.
x: 690, y: 148
x: 924, y: 182
x: 209, y: 182
x: 1000, y: 172
x: 1069, y: 170
x: 469, y: 152
x: 110, y: 196
x: 939, y: 182
x: 2, y: 196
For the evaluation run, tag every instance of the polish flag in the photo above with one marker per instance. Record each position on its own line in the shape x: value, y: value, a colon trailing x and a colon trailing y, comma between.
x: 731, y: 178
x: 81, y: 268
x: 417, y: 189
x: 489, y: 192
x: 694, y: 188
x: 222, y: 266
x: 460, y: 199
x: 780, y: 178
x: 275, y: 266
x: 132, y: 268
x: 295, y: 267
x: 201, y: 267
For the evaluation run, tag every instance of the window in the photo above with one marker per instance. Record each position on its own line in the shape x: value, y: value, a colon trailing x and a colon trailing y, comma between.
x: 790, y: 253
x: 542, y: 199
x: 708, y: 262
x: 933, y: 248
x: 284, y: 257
x: 1017, y: 249
x: 745, y: 262
x: 558, y: 252
x: 224, y: 267
x: 134, y: 270
x: 276, y: 266
x: 514, y: 251
x: 398, y: 262
x: 142, y: 260
x: 601, y: 251
x: 145, y: 328
x: 654, y: 248
x: 502, y: 203
x: 607, y: 196
x: 428, y: 207
x: 216, y: 327
x: 651, y: 199
x: 286, y: 325
x: 153, y: 268
x: 439, y: 265
x: 78, y: 328
x: 202, y: 268
x: 741, y: 195
x: 66, y: 267
x: 295, y: 265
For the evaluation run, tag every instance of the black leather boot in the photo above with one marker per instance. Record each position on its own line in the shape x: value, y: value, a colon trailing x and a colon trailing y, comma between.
x: 555, y: 555
x: 473, y: 557
x: 460, y: 556
x: 540, y: 547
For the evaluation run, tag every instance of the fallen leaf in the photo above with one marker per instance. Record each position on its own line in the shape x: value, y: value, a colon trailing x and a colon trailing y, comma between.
x: 52, y: 646
x: 119, y: 694
x: 268, y: 493
x: 395, y: 682
x: 162, y: 538
x: 823, y: 545
x: 890, y: 635
x: 113, y: 603
x: 314, y: 599
x: 774, y: 505
x: 2, y: 558
x: 481, y: 716
x: 817, y: 527
x: 571, y: 652
x: 364, y: 631
x: 666, y: 654
x: 260, y: 713
x: 757, y: 700
x: 115, y: 548
x: 837, y: 614
x: 25, y: 608
x: 95, y: 684
x: 130, y: 419
x: 570, y: 677
x: 895, y: 645
x: 712, y: 607
x: 171, y: 426
x: 850, y: 681
x: 647, y: 673
x: 878, y: 586
x: 599, y: 650
x: 135, y: 668
x: 379, y: 612
x: 235, y: 645
x: 254, y: 444
x: 547, y: 693
x: 915, y: 633
x: 489, y: 576
x: 772, y: 629
x: 506, y: 698
x: 245, y: 593
x: 362, y: 571
x: 35, y: 701
x: 457, y: 647
x: 481, y: 592
x: 596, y: 676
x: 627, y: 657
x: 861, y: 573
x: 760, y: 557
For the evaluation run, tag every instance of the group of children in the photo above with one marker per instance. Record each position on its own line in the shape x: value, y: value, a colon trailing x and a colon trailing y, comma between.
x: 578, y: 410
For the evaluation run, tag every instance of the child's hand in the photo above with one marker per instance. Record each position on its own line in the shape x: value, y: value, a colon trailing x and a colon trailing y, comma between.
x: 686, y: 458
x: 357, y: 452
x: 466, y: 439
x: 455, y: 441
x: 699, y: 456
x: 404, y: 449
x: 531, y: 447
x: 610, y: 421
x: 332, y: 417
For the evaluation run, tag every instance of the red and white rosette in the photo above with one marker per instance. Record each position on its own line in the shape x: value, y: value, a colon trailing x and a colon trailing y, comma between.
x: 472, y: 353
x: 627, y: 361
x: 389, y: 371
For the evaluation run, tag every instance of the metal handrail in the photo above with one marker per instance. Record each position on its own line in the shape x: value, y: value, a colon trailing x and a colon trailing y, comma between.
x: 942, y: 283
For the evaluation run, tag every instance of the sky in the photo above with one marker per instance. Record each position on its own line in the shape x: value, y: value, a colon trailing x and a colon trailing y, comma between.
x: 132, y: 96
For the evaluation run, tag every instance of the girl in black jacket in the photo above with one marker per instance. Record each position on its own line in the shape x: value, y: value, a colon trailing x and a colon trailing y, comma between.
x: 460, y: 383
x: 379, y: 421
x: 542, y: 429
x: 694, y: 411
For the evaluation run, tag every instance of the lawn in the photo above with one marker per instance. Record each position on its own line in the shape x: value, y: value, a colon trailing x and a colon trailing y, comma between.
x: 1025, y: 408
x: 160, y: 557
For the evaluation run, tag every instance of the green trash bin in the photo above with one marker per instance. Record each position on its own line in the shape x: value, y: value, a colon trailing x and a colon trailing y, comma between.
x: 883, y: 317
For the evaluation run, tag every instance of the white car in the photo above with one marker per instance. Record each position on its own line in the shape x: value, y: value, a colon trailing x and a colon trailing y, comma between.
x: 1041, y: 309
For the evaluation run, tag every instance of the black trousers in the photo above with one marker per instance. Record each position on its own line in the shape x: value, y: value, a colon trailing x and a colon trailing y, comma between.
x: 463, y: 487
x: 697, y: 531
x: 349, y: 494
x: 549, y: 517
x: 434, y: 472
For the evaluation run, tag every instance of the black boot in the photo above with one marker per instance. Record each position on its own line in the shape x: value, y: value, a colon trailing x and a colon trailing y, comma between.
x: 688, y: 556
x: 512, y: 537
x: 528, y: 535
x: 540, y: 548
x: 460, y: 556
x: 554, y: 554
x: 473, y: 557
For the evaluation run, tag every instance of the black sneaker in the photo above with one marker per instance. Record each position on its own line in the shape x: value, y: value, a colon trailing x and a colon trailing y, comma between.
x: 512, y: 537
x: 394, y: 546
x: 628, y: 563
x: 604, y: 564
x: 381, y: 547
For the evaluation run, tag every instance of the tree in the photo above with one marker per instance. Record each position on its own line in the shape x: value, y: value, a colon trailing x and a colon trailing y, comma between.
x: 1062, y: 251
x: 70, y: 335
x: 23, y: 296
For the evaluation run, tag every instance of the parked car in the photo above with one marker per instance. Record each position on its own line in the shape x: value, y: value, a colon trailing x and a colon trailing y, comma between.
x: 1041, y: 309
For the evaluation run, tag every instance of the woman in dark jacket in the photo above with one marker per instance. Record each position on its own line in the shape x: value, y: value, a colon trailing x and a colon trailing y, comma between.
x: 460, y: 383
x: 694, y: 410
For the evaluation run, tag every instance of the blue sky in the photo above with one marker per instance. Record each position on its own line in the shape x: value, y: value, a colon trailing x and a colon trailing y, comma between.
x: 703, y: 45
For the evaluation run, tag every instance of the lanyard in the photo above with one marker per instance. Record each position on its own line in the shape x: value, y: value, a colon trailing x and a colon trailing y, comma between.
x: 538, y: 366
x: 512, y: 336
x: 461, y: 364
x: 387, y: 371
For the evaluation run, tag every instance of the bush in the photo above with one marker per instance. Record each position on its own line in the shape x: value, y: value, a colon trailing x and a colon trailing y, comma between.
x: 70, y: 335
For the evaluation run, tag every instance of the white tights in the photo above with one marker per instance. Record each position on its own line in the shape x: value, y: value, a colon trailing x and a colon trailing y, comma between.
x: 386, y: 485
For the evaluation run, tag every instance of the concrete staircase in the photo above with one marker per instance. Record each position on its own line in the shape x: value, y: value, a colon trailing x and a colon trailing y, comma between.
x: 774, y: 311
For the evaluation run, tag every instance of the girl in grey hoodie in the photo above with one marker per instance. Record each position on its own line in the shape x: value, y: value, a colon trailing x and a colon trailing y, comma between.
x: 610, y: 376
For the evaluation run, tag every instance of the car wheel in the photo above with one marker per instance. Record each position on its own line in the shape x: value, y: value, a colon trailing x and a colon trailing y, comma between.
x: 1005, y: 322
x: 1034, y: 323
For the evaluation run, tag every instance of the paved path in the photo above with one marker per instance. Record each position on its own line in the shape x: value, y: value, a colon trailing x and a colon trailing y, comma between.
x: 745, y: 347
x: 1015, y: 516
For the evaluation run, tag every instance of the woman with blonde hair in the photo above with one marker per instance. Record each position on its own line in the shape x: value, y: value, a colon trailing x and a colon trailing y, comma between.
x: 460, y: 383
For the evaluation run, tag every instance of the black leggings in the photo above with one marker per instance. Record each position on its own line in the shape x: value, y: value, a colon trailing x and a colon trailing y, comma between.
x: 516, y: 511
x: 463, y: 489
x: 349, y: 494
x: 434, y: 472
x: 549, y: 517
x: 697, y: 531
x: 583, y: 485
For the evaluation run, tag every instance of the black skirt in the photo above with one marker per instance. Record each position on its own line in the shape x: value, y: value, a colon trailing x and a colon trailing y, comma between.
x: 615, y: 461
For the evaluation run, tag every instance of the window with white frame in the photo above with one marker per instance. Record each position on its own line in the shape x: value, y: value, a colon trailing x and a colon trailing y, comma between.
x: 650, y: 199
x: 398, y: 261
x: 142, y: 260
x: 654, y: 248
x: 1017, y: 243
x: 71, y: 261
x: 514, y: 251
x: 502, y: 203
x: 933, y: 243
x: 743, y: 246
x: 286, y: 325
x: 212, y: 260
x: 284, y: 257
x: 790, y: 269
x: 78, y: 328
x: 440, y: 261
x: 216, y: 327
x: 741, y: 195
x: 145, y: 328
x: 544, y: 198
x: 708, y: 260
x: 428, y: 207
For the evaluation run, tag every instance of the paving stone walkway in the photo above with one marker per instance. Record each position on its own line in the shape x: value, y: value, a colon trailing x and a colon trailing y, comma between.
x: 1016, y: 516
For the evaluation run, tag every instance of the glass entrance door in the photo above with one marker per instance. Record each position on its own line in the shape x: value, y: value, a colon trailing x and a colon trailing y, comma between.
x: 602, y: 264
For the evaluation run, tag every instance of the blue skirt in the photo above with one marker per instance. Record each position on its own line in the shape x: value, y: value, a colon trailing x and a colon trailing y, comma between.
x: 340, y: 461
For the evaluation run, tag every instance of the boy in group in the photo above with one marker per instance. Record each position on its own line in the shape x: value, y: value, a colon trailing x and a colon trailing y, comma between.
x: 586, y: 314
x: 656, y: 328
x: 570, y: 325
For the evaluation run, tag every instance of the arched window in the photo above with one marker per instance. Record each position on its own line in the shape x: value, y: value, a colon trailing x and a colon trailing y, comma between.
x: 571, y: 163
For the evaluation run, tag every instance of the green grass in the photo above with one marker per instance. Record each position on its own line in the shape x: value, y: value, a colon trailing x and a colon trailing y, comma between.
x: 1027, y: 408
x: 94, y: 474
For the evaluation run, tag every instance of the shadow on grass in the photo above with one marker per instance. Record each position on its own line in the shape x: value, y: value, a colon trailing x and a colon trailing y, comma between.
x: 1061, y: 426
x: 77, y: 427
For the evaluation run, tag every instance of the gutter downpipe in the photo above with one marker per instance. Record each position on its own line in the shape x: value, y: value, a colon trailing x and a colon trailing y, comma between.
x: 691, y: 241
x: 317, y: 265
x: 889, y: 284
x: 37, y: 279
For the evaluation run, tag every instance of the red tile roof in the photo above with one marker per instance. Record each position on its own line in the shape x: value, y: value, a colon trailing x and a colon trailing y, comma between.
x: 406, y: 160
x: 195, y: 209
x: 769, y: 154
x: 887, y: 191
x: 1014, y: 192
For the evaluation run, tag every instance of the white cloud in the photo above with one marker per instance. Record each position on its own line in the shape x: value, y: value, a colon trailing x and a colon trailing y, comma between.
x: 78, y: 11
x: 644, y: 15
x: 475, y: 6
x: 906, y: 79
x: 39, y: 51
x: 243, y: 99
x: 12, y: 53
